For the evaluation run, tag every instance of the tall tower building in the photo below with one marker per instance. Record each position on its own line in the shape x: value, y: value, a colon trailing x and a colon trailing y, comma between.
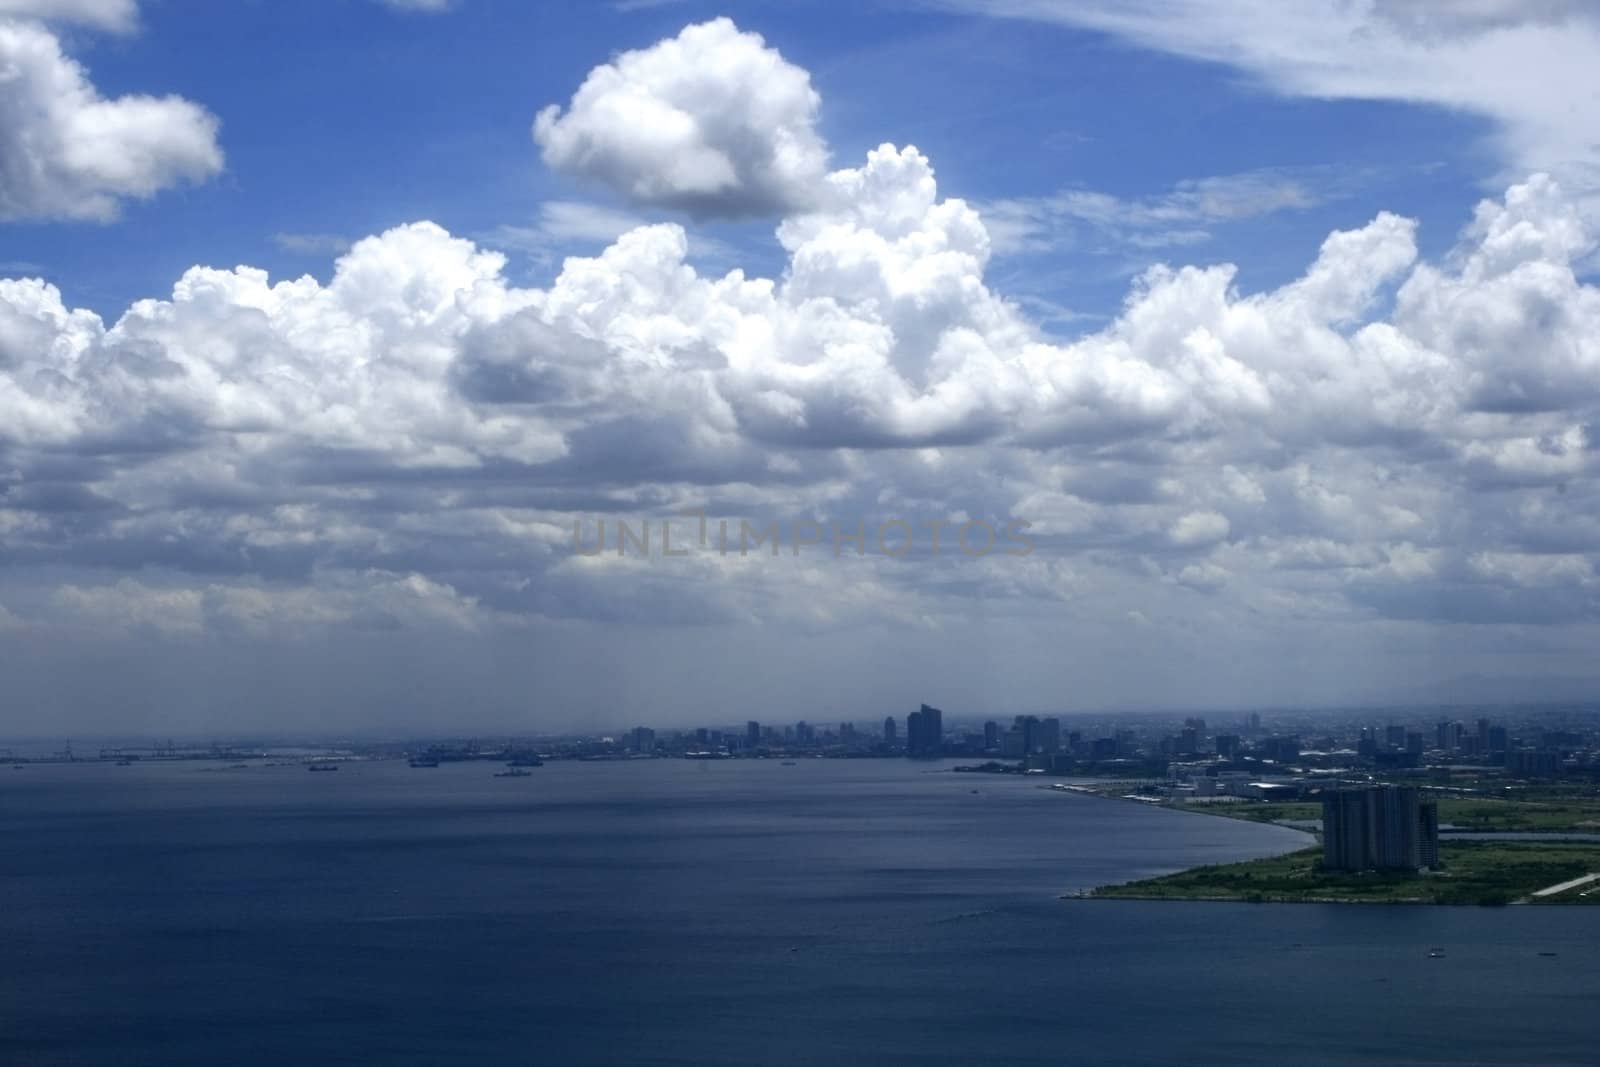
x: 925, y: 732
x: 1379, y: 828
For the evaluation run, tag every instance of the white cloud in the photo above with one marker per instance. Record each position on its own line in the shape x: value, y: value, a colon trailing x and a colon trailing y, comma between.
x: 117, y: 16
x: 1199, y: 528
x: 420, y: 401
x: 569, y: 220
x: 1379, y: 435
x: 312, y: 244
x: 1184, y: 215
x: 68, y: 153
x: 711, y: 122
x: 1472, y: 58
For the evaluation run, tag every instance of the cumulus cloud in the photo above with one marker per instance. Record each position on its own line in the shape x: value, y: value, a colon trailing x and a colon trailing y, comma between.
x: 411, y: 443
x: 711, y: 122
x: 68, y: 153
x: 419, y: 415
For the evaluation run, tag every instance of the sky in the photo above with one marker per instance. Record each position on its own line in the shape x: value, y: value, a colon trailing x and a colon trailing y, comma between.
x: 1263, y: 337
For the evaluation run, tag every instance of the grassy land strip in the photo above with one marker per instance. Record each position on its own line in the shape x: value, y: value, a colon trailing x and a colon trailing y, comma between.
x: 1476, y: 872
x: 1486, y: 814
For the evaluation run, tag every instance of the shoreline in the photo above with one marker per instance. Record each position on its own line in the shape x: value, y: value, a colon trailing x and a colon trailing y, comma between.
x: 1483, y: 868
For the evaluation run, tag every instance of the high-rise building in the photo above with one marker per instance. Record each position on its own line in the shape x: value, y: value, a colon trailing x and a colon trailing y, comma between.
x: 1027, y: 728
x: 925, y: 732
x: 644, y: 739
x: 888, y: 730
x: 1050, y: 736
x: 991, y: 734
x: 1449, y: 735
x: 1379, y: 828
x: 752, y: 734
x: 1533, y: 763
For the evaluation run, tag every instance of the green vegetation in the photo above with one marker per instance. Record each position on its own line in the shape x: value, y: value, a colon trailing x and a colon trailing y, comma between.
x: 1475, y: 872
x: 1509, y: 812
x: 1576, y: 814
x: 1261, y: 810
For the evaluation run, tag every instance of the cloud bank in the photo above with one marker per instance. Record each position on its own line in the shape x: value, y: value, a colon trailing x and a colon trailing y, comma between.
x: 407, y: 447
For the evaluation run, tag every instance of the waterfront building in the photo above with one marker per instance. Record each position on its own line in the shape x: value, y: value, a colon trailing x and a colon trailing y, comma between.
x: 1379, y: 828
x: 1050, y: 736
x: 925, y: 732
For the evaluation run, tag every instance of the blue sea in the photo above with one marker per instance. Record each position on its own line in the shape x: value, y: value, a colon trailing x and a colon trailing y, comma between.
x: 742, y: 912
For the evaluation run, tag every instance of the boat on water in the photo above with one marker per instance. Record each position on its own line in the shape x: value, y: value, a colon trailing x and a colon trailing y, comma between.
x: 787, y: 763
x: 514, y: 772
x: 424, y: 761
x: 322, y: 767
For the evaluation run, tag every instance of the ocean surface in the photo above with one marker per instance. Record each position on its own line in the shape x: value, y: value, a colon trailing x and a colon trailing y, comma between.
x: 744, y: 912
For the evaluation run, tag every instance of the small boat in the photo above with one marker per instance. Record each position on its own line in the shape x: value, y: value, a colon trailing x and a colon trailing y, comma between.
x: 515, y: 772
x: 788, y: 763
x: 322, y: 767
x: 424, y: 761
x: 1436, y: 954
x: 124, y: 763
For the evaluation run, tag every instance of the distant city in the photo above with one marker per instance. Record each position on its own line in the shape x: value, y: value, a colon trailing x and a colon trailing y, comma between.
x: 1256, y: 754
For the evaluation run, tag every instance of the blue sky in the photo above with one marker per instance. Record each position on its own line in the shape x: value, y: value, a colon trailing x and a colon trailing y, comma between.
x: 349, y: 118
x: 324, y: 326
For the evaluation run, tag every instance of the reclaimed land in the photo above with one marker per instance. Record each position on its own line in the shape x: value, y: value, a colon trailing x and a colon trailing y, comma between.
x: 1517, y: 809
x: 1487, y: 815
x: 1475, y: 872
